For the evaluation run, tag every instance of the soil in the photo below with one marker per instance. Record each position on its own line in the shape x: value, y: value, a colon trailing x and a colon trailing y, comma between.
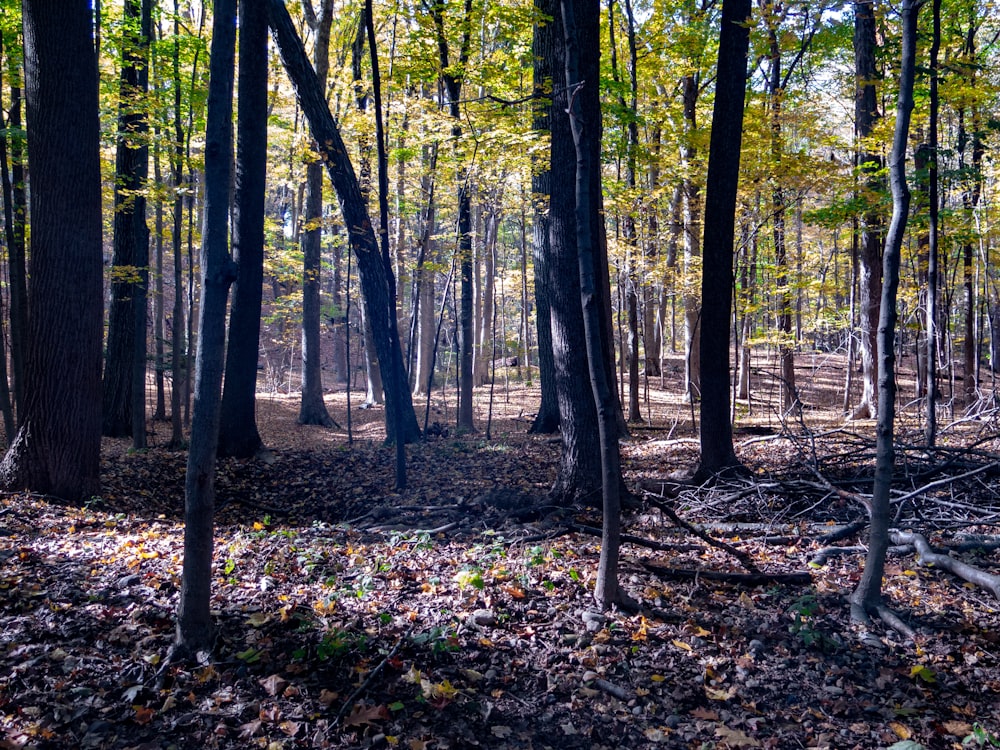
x: 459, y: 613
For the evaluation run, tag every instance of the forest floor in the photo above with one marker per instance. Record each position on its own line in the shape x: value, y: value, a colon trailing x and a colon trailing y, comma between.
x: 459, y: 613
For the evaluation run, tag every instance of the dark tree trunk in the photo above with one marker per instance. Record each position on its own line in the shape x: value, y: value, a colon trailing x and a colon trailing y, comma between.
x: 870, y: 256
x: 452, y: 85
x: 930, y: 388
x: 129, y: 274
x: 194, y: 620
x: 866, y: 599
x: 374, y: 282
x: 238, y: 434
x: 547, y: 419
x: 717, y: 454
x: 312, y: 408
x: 57, y: 447
x: 585, y: 126
x: 579, y: 475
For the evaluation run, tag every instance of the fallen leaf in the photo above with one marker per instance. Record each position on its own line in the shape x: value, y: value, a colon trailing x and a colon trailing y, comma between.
x: 362, y: 714
x: 734, y: 737
x: 273, y: 685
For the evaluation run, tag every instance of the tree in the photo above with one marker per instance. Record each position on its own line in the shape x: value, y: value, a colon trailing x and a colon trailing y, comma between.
x: 124, y: 384
x: 579, y: 475
x: 866, y: 600
x: 585, y: 117
x: 57, y: 446
x: 452, y: 74
x: 717, y: 454
x: 376, y: 289
x: 312, y: 409
x: 869, y: 162
x: 15, y: 203
x: 238, y: 434
x: 547, y: 418
x: 194, y: 620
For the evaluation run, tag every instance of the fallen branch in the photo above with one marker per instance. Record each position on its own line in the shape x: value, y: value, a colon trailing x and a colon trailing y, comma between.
x: 637, y: 540
x: 927, y: 556
x: 743, y: 579
x: 745, y: 560
x: 371, y: 677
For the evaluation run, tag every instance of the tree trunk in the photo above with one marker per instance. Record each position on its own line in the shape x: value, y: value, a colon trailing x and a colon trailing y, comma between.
x: 869, y: 280
x: 129, y: 274
x: 374, y: 284
x: 930, y: 427
x: 194, y: 620
x: 15, y: 206
x: 579, y: 474
x: 547, y: 418
x: 692, y: 246
x: 584, y: 125
x: 312, y: 407
x: 238, y: 433
x: 717, y: 454
x: 867, y: 597
x: 57, y: 448
x: 423, y: 279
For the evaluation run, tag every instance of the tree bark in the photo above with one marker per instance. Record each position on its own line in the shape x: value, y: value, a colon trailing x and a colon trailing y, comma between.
x: 129, y: 272
x: 194, y: 621
x: 579, y: 475
x: 57, y: 447
x: 312, y: 407
x: 717, y: 454
x: 584, y: 123
x: 547, y: 418
x: 867, y: 597
x: 374, y: 284
x: 238, y: 433
x: 870, y: 279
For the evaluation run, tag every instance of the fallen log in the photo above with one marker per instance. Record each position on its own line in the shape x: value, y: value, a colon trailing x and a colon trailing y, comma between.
x: 743, y: 579
x: 927, y: 556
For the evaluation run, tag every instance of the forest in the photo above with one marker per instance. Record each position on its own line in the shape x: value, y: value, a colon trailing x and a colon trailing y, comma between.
x: 450, y: 373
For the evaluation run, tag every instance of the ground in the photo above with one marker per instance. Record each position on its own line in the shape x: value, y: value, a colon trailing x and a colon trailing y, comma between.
x: 458, y: 613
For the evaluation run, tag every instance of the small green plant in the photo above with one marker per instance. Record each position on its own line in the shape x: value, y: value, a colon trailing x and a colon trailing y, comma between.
x: 336, y: 643
x: 981, y: 737
x: 803, y: 610
x: 536, y: 556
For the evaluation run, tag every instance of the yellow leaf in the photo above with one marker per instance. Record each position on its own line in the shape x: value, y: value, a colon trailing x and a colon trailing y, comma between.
x: 902, y: 732
x: 258, y: 526
x: 681, y: 645
x: 657, y: 678
x: 720, y: 695
x: 257, y: 619
x: 910, y: 573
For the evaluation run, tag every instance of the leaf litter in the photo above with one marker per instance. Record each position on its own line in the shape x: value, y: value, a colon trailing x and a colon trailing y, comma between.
x: 459, y: 614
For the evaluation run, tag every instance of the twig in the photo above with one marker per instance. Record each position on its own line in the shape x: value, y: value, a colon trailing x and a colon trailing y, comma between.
x: 636, y: 540
x: 746, y: 579
x: 743, y: 557
x: 371, y: 677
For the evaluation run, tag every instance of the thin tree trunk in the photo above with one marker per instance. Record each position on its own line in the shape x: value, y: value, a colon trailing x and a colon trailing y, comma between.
x: 869, y: 267
x: 312, y: 407
x: 607, y: 589
x: 930, y: 427
x: 866, y: 599
x: 375, y: 286
x: 194, y: 619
